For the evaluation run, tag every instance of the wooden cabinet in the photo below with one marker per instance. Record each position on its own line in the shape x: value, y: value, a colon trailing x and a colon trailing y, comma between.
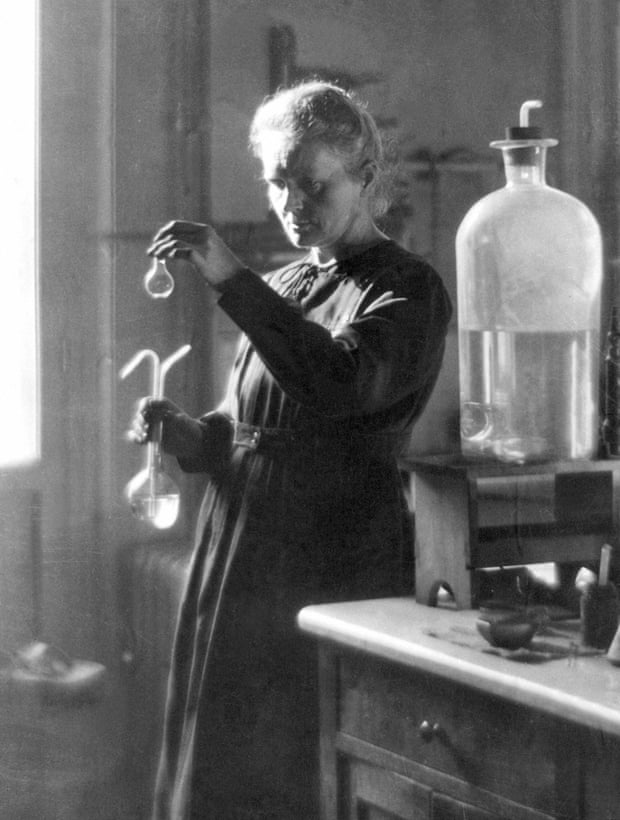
x: 398, y: 743
x: 422, y: 720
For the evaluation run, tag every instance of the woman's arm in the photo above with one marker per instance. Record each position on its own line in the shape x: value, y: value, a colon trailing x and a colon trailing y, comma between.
x: 391, y: 350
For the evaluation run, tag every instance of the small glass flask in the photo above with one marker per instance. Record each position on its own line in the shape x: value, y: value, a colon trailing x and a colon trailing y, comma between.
x: 158, y: 282
x: 152, y: 494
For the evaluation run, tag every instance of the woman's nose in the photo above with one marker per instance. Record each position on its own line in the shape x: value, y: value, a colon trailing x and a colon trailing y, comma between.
x: 293, y: 199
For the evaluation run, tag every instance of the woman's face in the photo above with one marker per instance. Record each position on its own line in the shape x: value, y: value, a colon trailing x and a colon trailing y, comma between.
x: 319, y: 203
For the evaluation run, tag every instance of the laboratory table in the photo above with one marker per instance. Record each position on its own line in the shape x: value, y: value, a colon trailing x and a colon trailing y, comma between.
x: 421, y: 718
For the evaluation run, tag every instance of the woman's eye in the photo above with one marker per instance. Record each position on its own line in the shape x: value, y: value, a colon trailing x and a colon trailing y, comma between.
x: 313, y: 186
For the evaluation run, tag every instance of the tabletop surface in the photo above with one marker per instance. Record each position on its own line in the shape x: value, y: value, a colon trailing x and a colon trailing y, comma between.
x: 555, y: 673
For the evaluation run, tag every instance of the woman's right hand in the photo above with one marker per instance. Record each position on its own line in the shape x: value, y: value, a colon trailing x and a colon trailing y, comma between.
x: 181, y: 435
x: 201, y: 246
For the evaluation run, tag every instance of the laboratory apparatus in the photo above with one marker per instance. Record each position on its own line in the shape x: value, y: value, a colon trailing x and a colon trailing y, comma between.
x: 529, y: 274
x: 152, y: 494
x: 158, y: 281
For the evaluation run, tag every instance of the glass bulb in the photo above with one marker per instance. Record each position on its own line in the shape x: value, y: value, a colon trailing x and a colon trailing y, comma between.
x: 158, y: 282
x: 152, y: 494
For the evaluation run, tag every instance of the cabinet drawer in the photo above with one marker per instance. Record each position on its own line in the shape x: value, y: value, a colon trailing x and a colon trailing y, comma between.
x: 376, y: 794
x: 601, y: 762
x: 487, y: 742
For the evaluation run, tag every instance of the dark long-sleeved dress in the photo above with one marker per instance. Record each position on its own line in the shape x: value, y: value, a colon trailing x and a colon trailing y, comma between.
x: 304, y: 504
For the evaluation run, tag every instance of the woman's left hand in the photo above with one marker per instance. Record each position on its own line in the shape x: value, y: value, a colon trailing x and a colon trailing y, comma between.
x: 200, y: 245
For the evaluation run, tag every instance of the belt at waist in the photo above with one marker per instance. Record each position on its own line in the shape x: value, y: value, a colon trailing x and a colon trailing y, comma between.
x: 276, y: 439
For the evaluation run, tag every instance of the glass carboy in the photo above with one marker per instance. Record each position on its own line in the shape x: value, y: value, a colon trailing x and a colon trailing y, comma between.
x: 529, y: 272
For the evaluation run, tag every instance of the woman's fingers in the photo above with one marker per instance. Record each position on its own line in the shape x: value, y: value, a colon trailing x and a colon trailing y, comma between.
x: 186, y: 241
x: 149, y: 412
x: 191, y: 231
x: 171, y: 249
x: 154, y: 410
x: 193, y: 234
x: 138, y: 431
x: 200, y: 245
x: 180, y: 434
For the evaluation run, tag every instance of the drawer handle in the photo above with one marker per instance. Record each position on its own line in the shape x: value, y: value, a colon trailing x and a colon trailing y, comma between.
x: 429, y: 730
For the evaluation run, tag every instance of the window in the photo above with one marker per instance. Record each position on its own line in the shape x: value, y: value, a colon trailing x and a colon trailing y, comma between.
x: 19, y: 410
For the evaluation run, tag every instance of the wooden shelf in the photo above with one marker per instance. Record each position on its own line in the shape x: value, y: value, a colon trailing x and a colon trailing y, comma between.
x: 475, y: 515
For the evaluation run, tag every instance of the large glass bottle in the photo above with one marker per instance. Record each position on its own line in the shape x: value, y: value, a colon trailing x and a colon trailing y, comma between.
x: 529, y: 271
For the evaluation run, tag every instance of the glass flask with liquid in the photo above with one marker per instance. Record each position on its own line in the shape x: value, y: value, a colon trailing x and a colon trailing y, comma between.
x: 152, y: 495
x: 529, y: 274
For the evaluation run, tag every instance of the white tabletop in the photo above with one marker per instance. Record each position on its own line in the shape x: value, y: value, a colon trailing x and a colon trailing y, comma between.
x: 584, y: 688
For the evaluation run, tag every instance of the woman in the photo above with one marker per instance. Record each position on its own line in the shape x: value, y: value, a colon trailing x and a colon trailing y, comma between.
x: 304, y: 502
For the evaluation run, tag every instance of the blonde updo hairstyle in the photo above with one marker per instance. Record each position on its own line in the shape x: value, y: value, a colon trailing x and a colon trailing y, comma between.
x: 317, y: 111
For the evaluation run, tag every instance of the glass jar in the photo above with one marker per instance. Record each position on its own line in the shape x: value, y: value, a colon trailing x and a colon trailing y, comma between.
x: 529, y: 273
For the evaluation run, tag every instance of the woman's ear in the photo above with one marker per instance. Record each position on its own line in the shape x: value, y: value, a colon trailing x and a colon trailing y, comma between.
x: 368, y: 173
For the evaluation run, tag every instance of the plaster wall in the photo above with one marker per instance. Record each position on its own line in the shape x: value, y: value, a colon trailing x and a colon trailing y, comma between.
x: 450, y: 74
x: 446, y: 77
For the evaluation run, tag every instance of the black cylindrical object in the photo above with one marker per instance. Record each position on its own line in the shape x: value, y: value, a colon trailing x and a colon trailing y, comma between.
x: 611, y: 401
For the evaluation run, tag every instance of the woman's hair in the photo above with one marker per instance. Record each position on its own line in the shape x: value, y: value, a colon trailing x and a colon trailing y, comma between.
x: 317, y: 111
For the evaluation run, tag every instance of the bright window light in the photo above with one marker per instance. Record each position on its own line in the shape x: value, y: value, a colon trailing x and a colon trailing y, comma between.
x: 19, y: 408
